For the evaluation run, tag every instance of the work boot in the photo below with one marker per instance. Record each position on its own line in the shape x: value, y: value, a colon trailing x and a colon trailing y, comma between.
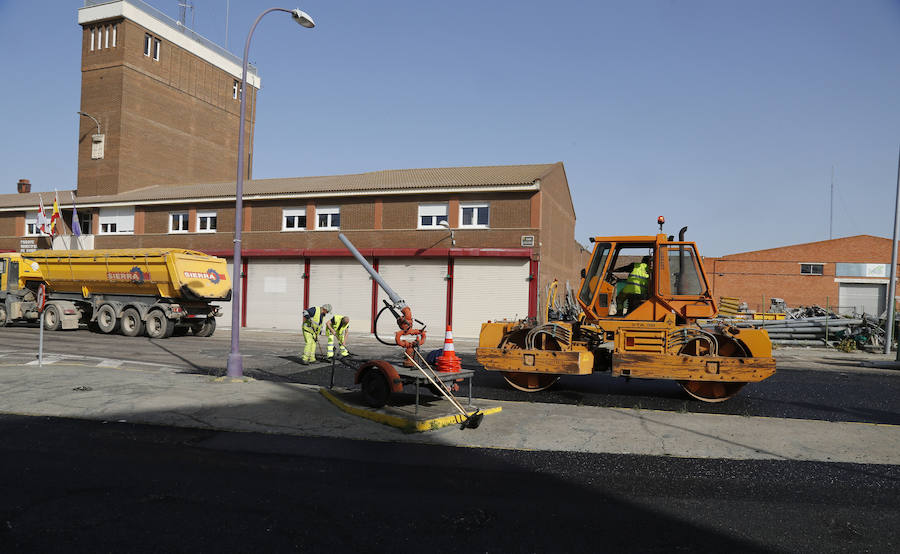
x: 304, y: 361
x: 330, y: 356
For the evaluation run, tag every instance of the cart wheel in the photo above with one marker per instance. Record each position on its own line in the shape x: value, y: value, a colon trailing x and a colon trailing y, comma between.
x: 375, y: 389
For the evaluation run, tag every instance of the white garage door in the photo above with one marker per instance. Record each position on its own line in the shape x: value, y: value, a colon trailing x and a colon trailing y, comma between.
x: 225, y: 307
x: 862, y: 298
x: 274, y: 293
x: 486, y: 288
x: 422, y: 283
x: 344, y: 284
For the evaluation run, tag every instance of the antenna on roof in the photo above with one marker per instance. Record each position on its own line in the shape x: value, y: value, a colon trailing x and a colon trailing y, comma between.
x: 183, y: 7
x: 831, y: 207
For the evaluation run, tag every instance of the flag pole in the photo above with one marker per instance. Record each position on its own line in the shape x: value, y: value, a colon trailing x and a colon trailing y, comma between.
x: 76, y: 224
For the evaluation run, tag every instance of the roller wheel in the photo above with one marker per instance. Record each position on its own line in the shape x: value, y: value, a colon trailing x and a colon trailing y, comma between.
x: 530, y: 382
x: 131, y: 324
x: 206, y: 328
x: 52, y: 319
x: 158, y: 325
x: 375, y: 389
x: 4, y: 316
x: 527, y: 382
x: 107, y: 322
x: 713, y: 391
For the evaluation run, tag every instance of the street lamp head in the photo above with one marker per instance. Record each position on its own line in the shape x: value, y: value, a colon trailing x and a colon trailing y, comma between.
x: 446, y: 225
x: 303, y: 18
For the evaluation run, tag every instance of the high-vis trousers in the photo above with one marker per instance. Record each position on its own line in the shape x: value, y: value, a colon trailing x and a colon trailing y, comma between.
x: 342, y: 336
x: 309, y: 349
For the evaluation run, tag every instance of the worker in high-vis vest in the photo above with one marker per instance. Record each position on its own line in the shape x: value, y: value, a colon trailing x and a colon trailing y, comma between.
x: 313, y: 317
x: 337, y: 327
x: 636, y: 286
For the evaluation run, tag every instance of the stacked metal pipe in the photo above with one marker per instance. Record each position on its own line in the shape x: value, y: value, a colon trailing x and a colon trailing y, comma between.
x: 809, y: 331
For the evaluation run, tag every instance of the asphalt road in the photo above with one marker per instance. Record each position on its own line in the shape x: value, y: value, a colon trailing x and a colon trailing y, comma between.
x: 838, y: 394
x: 80, y: 486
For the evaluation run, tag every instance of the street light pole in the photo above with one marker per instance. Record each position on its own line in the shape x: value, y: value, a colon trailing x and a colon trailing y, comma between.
x: 235, y: 360
x: 892, y: 283
x: 92, y: 117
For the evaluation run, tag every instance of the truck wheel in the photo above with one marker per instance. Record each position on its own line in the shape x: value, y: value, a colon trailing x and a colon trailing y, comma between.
x: 375, y: 389
x: 131, y: 324
x: 158, y: 325
x: 206, y: 328
x: 52, y: 319
x: 4, y: 316
x: 107, y: 322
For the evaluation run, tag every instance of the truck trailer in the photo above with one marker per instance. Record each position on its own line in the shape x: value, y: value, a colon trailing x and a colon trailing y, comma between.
x: 157, y: 291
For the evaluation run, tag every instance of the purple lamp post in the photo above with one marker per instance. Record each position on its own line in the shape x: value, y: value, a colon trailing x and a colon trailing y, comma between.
x: 235, y: 360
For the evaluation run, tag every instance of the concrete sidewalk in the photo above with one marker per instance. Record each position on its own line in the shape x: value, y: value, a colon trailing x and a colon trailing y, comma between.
x: 160, y: 396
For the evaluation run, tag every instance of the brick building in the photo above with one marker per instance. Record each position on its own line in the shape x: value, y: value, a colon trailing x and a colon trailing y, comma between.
x: 167, y: 102
x: 513, y: 228
x: 848, y: 273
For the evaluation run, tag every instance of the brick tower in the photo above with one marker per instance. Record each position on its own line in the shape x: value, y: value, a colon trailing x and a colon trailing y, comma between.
x: 166, y: 100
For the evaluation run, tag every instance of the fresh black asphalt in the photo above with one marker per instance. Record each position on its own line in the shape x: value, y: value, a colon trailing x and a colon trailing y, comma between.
x: 78, y: 486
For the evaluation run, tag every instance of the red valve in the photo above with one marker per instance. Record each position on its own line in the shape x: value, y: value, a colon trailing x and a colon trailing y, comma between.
x: 405, y: 322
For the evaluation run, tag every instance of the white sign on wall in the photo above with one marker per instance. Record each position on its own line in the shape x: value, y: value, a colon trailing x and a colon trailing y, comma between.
x: 97, y: 142
x: 27, y: 245
x: 275, y: 285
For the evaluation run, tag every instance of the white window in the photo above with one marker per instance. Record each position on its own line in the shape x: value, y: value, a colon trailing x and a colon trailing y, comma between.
x: 117, y: 221
x: 474, y: 214
x: 156, y: 49
x: 206, y: 222
x: 431, y: 214
x: 114, y: 27
x: 812, y: 269
x: 328, y: 217
x: 31, y: 228
x: 234, y: 89
x: 106, y: 38
x: 148, y: 40
x: 178, y: 222
x: 92, y: 39
x: 293, y: 219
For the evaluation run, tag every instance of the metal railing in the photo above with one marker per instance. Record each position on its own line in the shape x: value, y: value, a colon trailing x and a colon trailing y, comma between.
x: 163, y: 18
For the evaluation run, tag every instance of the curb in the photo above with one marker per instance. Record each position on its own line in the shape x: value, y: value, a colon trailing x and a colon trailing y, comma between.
x: 881, y: 365
x: 406, y: 424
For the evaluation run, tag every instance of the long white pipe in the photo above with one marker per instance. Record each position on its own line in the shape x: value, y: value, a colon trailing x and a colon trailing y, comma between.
x: 395, y: 298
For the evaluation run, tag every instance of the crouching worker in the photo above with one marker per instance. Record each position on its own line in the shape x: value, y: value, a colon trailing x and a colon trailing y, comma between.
x: 337, y: 326
x: 312, y: 327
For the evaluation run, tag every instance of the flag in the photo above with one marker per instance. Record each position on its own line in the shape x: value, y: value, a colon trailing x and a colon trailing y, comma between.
x: 41, y: 221
x: 54, y: 217
x: 76, y: 225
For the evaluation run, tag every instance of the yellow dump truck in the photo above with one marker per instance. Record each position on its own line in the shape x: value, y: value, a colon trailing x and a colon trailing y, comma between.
x: 157, y: 291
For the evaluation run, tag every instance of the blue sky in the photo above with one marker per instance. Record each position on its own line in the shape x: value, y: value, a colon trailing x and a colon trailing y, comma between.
x: 724, y: 116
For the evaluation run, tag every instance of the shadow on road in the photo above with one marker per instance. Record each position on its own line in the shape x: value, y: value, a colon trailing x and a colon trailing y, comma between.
x: 123, y: 487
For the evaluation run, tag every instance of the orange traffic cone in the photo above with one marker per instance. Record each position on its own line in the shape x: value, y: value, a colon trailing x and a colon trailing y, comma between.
x: 448, y: 361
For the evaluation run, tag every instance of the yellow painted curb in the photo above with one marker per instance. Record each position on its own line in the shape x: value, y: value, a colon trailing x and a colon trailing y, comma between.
x: 409, y: 425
